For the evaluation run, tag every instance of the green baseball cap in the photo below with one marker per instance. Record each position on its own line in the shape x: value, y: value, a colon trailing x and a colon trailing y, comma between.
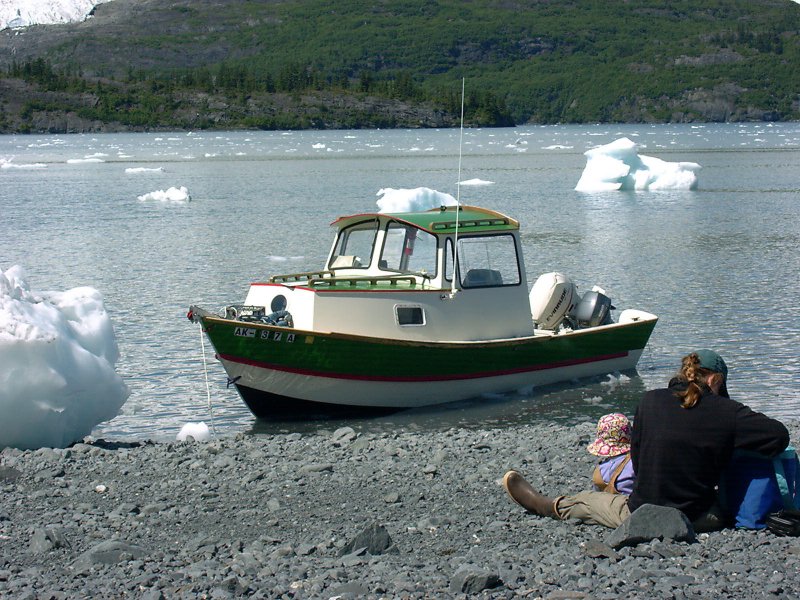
x: 712, y: 361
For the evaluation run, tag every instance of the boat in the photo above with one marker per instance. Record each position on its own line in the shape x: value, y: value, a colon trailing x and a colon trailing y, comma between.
x: 416, y: 309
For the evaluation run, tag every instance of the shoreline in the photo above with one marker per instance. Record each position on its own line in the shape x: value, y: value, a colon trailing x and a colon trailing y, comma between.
x: 289, y: 515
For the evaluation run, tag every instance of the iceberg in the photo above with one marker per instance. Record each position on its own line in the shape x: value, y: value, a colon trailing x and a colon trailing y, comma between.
x: 618, y: 166
x: 411, y: 200
x: 57, y: 357
x: 173, y: 194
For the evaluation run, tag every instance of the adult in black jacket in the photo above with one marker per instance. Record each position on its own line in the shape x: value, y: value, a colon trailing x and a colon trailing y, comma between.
x: 682, y: 439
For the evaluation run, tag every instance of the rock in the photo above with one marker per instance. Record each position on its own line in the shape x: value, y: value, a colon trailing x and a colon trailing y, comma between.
x: 597, y: 549
x: 316, y: 468
x: 375, y: 539
x: 650, y: 522
x: 109, y: 553
x: 46, y: 539
x: 343, y: 435
x: 9, y: 474
x: 349, y: 590
x: 470, y: 580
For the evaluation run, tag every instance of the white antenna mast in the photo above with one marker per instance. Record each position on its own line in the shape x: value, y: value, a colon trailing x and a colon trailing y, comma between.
x: 458, y: 194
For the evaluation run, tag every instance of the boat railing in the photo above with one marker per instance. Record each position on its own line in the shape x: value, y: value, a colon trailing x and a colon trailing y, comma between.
x: 300, y: 276
x: 361, y: 280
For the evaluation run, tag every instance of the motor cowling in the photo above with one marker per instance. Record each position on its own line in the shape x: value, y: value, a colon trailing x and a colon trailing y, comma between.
x: 552, y: 298
x: 593, y: 309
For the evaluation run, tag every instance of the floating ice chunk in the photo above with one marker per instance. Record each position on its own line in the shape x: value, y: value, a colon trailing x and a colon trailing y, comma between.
x: 173, y: 194
x: 133, y: 170
x: 57, y: 351
x: 412, y: 200
x: 81, y: 161
x: 6, y: 163
x: 618, y: 166
x: 199, y: 432
x: 616, y: 380
x: 476, y: 182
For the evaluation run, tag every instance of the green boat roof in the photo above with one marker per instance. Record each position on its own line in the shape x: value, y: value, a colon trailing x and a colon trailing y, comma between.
x: 443, y: 220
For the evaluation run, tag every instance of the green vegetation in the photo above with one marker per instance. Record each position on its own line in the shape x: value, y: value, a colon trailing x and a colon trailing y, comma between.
x: 320, y: 63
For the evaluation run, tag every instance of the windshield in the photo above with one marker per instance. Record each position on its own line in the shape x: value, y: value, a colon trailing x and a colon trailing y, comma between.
x: 408, y: 250
x: 354, y: 246
x: 487, y: 261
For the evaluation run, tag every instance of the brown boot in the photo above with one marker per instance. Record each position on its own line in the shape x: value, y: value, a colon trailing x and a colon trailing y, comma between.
x: 528, y: 498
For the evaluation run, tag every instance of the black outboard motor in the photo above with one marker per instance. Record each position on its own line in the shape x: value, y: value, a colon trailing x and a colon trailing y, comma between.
x: 594, y: 309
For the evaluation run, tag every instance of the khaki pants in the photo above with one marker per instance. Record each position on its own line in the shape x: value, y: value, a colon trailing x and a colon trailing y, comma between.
x: 595, y: 508
x: 602, y: 508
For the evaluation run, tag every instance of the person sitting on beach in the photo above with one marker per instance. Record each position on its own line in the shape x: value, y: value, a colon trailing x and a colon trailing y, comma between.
x: 683, y: 437
x: 614, y: 473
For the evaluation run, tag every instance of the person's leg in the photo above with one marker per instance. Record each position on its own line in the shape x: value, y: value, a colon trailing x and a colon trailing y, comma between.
x: 528, y: 498
x: 595, y: 508
x: 599, y: 508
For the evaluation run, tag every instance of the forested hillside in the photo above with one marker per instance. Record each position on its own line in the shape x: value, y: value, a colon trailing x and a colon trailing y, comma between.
x: 180, y: 64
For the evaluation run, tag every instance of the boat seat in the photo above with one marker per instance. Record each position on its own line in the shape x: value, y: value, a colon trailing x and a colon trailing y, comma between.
x: 345, y: 261
x: 483, y: 278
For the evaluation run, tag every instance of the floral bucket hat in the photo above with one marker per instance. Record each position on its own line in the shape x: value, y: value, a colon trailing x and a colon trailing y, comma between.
x: 613, y: 436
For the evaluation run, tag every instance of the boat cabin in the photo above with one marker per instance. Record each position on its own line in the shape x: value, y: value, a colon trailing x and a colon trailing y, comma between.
x: 438, y: 275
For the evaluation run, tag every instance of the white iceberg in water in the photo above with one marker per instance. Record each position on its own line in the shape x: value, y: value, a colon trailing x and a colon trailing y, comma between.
x: 133, y: 170
x: 476, y: 182
x: 172, y: 194
x: 57, y: 356
x: 618, y: 166
x: 412, y: 200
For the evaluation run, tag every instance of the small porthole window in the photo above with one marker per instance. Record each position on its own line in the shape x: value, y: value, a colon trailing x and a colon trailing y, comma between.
x: 409, y: 315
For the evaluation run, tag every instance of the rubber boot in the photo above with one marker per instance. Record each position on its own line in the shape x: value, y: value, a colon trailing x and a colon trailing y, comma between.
x: 528, y: 498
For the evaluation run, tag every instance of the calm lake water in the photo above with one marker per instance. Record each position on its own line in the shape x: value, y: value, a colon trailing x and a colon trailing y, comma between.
x: 719, y: 265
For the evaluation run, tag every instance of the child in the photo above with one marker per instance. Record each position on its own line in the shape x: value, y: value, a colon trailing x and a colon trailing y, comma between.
x: 614, y: 473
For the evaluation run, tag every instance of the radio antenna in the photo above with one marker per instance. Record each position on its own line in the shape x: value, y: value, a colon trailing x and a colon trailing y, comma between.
x: 458, y: 193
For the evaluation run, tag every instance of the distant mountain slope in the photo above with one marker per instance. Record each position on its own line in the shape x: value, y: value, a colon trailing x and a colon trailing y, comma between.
x: 361, y: 63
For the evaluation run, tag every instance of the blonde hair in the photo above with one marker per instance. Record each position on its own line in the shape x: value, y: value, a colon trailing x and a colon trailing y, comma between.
x: 695, y: 376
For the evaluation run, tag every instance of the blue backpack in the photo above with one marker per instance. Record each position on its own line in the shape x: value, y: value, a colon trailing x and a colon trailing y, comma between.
x: 754, y: 485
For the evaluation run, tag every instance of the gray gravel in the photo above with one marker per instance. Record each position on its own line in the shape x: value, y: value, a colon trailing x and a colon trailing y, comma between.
x: 338, y: 514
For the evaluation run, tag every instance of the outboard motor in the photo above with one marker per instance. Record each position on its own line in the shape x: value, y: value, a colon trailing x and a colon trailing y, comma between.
x: 593, y: 309
x: 552, y: 297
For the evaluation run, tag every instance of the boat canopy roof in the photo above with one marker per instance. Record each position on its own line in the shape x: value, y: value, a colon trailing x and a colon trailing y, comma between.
x: 443, y: 220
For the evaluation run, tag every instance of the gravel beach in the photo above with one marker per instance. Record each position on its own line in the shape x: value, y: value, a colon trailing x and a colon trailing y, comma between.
x: 339, y: 514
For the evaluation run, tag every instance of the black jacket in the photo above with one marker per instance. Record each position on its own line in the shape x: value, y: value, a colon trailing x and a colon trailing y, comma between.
x: 679, y: 454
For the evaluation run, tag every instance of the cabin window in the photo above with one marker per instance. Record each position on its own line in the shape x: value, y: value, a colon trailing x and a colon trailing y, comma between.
x: 407, y: 249
x: 409, y: 315
x: 488, y: 261
x: 354, y: 246
x: 448, y: 260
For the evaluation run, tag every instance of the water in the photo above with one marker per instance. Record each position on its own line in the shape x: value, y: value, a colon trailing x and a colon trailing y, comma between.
x: 720, y: 265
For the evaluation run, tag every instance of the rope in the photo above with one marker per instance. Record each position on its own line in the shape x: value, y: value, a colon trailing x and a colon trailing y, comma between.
x: 208, y: 388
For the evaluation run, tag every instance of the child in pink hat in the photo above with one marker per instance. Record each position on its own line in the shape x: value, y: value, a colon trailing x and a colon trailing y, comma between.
x: 614, y: 473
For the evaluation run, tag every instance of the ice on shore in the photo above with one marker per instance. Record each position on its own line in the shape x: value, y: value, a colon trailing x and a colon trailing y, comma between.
x: 618, y: 166
x: 172, y: 194
x: 199, y: 432
x: 57, y: 357
x: 412, y: 200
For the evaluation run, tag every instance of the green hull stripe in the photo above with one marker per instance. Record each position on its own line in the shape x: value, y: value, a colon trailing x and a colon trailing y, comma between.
x: 357, y: 357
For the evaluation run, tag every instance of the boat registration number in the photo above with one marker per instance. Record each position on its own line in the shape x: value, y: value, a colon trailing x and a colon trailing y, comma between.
x: 277, y: 336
